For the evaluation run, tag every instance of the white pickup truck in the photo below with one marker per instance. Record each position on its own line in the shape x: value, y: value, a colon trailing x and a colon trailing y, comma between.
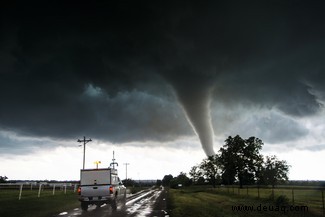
x: 100, y: 186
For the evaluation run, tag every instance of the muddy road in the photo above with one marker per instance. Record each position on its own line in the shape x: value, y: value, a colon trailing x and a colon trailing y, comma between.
x: 151, y: 202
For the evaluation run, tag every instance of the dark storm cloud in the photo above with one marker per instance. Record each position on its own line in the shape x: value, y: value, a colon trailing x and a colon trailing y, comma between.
x: 282, y: 82
x: 110, y: 69
x: 124, y: 117
x: 269, y: 124
x: 274, y: 128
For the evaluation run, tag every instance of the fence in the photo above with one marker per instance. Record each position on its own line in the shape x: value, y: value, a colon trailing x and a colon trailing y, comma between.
x: 40, y: 187
x: 312, y: 197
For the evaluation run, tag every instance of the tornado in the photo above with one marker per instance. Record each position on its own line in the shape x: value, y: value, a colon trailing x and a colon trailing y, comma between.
x: 194, y: 95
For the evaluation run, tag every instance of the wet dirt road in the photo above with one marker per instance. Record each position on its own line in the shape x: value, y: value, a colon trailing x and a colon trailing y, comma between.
x: 149, y: 203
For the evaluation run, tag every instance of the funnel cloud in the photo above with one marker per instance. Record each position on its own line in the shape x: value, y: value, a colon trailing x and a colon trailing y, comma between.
x: 197, y: 109
x: 194, y: 92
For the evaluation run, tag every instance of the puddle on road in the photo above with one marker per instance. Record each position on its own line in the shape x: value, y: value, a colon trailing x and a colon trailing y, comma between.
x: 144, y: 207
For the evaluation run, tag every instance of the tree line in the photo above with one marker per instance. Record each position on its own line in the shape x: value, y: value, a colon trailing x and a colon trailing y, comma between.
x: 3, y: 179
x: 238, y: 161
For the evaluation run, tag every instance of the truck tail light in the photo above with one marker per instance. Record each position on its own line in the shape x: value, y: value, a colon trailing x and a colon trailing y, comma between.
x: 79, y: 191
x: 111, y: 189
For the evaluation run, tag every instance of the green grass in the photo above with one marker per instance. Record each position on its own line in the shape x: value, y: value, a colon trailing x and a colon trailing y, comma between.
x: 32, y: 206
x: 209, y: 202
x: 297, y: 195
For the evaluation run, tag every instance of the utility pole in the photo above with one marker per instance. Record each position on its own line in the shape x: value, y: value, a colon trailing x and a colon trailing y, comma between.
x: 126, y: 170
x: 85, y: 141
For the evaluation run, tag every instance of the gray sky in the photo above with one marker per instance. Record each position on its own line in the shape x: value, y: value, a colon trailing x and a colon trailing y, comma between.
x: 137, y: 73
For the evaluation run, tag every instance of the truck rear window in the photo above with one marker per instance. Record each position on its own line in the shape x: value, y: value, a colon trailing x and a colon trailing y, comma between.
x: 95, y: 177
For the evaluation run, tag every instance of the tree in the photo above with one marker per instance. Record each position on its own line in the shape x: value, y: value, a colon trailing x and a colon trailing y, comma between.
x: 260, y: 175
x: 211, y: 169
x: 181, y: 179
x: 166, y: 180
x: 195, y: 173
x: 275, y: 170
x: 129, y: 182
x: 200, y: 181
x: 3, y: 179
x: 159, y: 182
x: 240, y: 160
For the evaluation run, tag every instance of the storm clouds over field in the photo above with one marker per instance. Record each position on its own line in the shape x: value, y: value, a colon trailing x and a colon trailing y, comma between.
x: 127, y: 71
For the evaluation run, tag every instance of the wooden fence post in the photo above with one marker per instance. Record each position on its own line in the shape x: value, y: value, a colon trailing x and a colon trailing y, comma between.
x: 53, y: 189
x: 293, y: 197
x: 247, y: 191
x: 273, y: 193
x: 39, y: 190
x: 323, y: 202
x: 258, y: 192
x: 20, y: 191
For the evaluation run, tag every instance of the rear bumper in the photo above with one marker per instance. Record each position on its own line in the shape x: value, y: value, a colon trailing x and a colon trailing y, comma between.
x: 95, y: 198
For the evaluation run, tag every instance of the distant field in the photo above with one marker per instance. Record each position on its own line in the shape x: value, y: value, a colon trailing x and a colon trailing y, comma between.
x: 209, y: 202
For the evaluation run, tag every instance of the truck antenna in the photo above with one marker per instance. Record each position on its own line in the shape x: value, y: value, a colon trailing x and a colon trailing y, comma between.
x: 113, y: 163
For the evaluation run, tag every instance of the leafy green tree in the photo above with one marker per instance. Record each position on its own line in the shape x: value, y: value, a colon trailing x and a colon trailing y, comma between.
x: 275, y: 170
x: 181, y: 179
x: 240, y: 159
x: 211, y: 169
x: 166, y: 180
x: 260, y: 175
x: 129, y: 182
x: 195, y: 173
x: 159, y: 182
x: 201, y: 181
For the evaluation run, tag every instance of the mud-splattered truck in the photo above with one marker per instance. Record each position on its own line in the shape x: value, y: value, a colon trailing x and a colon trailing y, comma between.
x: 100, y: 186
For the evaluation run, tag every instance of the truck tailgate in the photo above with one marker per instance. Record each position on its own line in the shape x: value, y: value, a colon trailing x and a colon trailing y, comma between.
x: 98, y: 190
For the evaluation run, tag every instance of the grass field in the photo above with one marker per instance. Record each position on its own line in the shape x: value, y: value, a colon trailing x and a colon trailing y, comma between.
x: 32, y: 206
x: 193, y: 201
x: 209, y: 202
